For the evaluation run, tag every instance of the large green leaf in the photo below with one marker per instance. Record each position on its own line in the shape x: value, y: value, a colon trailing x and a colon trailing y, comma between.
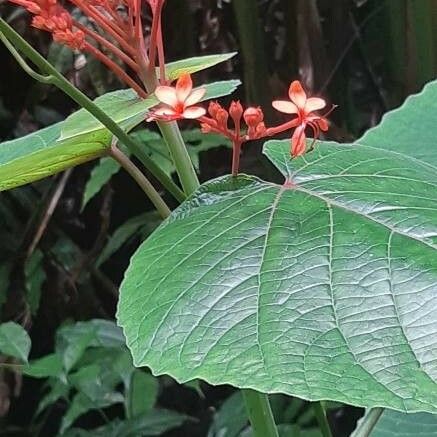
x: 40, y: 154
x: 395, y: 424
x: 322, y: 288
x: 409, y: 129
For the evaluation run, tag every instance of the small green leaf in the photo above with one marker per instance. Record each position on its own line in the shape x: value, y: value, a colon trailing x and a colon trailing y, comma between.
x: 74, y: 350
x: 45, y: 367
x: 14, y: 341
x: 192, y: 65
x: 104, y: 333
x: 99, y: 177
x: 230, y: 419
x: 196, y: 144
x: 153, y: 423
x: 142, y: 394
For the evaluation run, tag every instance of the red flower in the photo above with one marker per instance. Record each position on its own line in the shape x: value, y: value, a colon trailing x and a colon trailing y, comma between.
x: 52, y: 17
x: 303, y: 107
x: 178, y: 102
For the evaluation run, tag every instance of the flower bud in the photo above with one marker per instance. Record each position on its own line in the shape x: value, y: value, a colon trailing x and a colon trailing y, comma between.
x: 222, y: 118
x: 253, y: 116
x: 213, y: 108
x: 261, y: 129
x: 236, y: 110
x: 205, y: 128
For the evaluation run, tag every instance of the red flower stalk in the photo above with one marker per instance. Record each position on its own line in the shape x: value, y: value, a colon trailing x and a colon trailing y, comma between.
x: 218, y: 123
x: 304, y: 108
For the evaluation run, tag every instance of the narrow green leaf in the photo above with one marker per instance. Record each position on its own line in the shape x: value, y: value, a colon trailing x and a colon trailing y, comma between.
x: 322, y: 288
x: 99, y: 177
x: 127, y: 230
x: 14, y: 341
x: 193, y: 65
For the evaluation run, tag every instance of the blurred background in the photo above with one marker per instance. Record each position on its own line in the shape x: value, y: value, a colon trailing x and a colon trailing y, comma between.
x: 61, y: 262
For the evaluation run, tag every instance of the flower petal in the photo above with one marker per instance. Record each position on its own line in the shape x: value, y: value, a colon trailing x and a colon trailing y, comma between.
x: 195, y: 97
x: 297, y: 94
x: 323, y: 124
x: 313, y: 104
x: 194, y: 112
x: 166, y: 94
x: 184, y: 86
x: 163, y: 111
x: 298, y: 141
x: 285, y: 106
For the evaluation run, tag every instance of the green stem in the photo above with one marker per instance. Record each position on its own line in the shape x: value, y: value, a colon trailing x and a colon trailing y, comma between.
x: 322, y: 420
x: 181, y: 158
x: 141, y: 180
x: 260, y: 414
x: 55, y: 78
x: 368, y: 422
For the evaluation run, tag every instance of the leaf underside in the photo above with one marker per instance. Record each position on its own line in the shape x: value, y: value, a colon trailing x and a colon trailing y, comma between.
x: 324, y: 288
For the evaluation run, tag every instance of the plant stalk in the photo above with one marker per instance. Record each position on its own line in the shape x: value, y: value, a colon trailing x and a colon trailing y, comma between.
x: 55, y: 78
x: 322, y: 420
x: 141, y: 180
x: 260, y: 414
x: 184, y: 166
x: 368, y: 422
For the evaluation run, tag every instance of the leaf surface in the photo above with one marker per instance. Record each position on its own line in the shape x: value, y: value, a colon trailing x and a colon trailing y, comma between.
x: 396, y: 424
x: 14, y: 341
x: 409, y: 129
x: 322, y: 288
x: 193, y: 65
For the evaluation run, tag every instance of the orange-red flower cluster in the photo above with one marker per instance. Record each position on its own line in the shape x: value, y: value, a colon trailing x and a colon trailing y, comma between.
x: 181, y: 102
x: 49, y: 15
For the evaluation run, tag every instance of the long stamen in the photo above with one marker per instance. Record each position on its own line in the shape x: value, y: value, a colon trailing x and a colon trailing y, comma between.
x: 105, y: 24
x: 111, y: 47
x: 116, y: 69
x: 154, y: 34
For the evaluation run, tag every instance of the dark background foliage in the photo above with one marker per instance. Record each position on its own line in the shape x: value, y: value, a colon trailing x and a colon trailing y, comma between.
x: 364, y: 55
